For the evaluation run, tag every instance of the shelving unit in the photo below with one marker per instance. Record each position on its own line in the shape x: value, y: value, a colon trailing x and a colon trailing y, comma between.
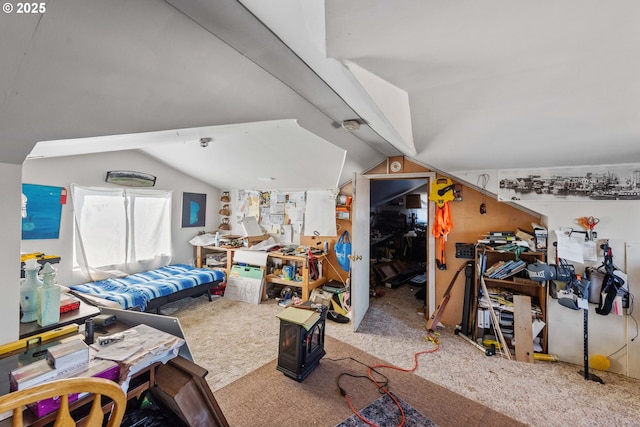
x: 306, y: 284
x: 301, y: 261
x: 343, y: 207
x: 516, y: 284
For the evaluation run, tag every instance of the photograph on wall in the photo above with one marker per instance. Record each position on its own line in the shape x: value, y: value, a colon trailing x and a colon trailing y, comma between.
x: 612, y: 182
x: 41, y: 210
x: 194, y: 208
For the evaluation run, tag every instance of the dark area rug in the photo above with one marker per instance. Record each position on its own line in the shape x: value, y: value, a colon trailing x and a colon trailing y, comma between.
x: 383, y: 412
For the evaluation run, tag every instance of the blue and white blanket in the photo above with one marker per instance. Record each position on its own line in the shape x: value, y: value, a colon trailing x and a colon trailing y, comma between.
x: 140, y: 288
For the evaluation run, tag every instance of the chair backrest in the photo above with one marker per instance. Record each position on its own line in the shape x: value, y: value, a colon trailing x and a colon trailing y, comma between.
x: 16, y: 400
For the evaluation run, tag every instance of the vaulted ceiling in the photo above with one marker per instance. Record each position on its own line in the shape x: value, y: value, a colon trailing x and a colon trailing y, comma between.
x: 457, y: 86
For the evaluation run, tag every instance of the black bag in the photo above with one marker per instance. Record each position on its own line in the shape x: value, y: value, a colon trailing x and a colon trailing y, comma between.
x: 610, y: 287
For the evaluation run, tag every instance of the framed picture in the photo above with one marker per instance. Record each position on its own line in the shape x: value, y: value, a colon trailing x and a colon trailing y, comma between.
x: 194, y: 209
x: 580, y: 183
x: 41, y: 210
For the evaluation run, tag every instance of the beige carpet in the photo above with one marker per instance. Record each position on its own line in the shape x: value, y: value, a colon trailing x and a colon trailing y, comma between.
x: 267, y: 395
x: 232, y: 339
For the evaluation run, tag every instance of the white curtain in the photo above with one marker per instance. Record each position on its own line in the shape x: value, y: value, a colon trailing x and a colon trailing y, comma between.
x: 121, y: 231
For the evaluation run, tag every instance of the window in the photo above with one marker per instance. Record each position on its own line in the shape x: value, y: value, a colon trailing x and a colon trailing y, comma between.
x: 121, y: 231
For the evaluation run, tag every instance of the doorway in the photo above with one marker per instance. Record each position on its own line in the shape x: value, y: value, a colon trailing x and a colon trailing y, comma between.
x: 399, y: 241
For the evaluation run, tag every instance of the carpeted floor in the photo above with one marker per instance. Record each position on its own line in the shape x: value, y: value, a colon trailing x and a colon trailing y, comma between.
x: 274, y: 399
x: 232, y: 339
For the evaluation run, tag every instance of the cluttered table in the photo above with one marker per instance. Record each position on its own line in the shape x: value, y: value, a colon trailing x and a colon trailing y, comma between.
x: 77, y: 316
x: 126, y: 354
x: 308, y: 272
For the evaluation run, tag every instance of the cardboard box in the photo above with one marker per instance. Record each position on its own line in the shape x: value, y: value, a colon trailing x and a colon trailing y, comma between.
x: 254, y: 240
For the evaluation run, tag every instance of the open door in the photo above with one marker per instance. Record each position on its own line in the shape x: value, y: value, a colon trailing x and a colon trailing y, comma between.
x: 360, y: 249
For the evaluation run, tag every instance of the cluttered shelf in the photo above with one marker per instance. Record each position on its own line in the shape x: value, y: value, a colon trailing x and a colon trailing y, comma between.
x: 505, y: 275
x: 283, y: 266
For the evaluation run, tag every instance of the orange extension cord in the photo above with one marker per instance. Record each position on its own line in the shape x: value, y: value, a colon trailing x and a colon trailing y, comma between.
x: 382, y: 387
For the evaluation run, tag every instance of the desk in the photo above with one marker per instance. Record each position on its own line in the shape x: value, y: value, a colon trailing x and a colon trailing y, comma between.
x: 137, y: 371
x: 140, y: 382
x: 78, y: 316
x: 306, y: 284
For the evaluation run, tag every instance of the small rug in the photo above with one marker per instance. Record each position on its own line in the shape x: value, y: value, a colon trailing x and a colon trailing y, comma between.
x: 383, y: 412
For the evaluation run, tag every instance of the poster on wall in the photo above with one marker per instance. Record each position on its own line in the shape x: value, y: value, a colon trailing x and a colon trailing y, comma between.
x: 194, y: 208
x: 606, y: 182
x: 41, y: 210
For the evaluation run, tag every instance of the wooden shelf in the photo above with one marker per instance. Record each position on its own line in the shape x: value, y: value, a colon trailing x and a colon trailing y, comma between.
x: 306, y: 285
x: 515, y: 284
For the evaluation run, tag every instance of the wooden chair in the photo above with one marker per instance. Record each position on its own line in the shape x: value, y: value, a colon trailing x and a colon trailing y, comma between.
x: 97, y: 386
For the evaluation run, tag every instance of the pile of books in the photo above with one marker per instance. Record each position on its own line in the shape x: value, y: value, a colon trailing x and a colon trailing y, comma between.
x: 504, y: 269
x: 498, y: 238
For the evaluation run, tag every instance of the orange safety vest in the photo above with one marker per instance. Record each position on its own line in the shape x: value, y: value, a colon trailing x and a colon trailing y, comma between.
x: 442, y: 226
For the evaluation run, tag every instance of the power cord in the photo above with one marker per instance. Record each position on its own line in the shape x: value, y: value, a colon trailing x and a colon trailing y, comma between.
x: 630, y: 314
x: 382, y: 384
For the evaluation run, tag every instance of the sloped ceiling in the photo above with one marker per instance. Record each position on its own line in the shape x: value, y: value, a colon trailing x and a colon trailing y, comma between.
x: 464, y: 85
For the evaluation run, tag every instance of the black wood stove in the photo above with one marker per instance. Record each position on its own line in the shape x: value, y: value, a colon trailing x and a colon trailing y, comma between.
x: 300, y: 350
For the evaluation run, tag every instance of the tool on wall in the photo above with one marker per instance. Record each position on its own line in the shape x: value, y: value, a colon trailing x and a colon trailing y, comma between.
x: 483, y: 180
x: 589, y: 223
x: 442, y: 192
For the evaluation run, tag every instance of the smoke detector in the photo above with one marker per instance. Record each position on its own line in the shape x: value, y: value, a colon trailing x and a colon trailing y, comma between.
x: 351, y: 125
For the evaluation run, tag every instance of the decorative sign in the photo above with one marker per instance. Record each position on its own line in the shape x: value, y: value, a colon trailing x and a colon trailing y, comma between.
x: 41, y: 211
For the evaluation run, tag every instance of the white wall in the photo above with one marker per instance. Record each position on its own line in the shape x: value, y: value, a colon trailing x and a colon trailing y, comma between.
x: 90, y: 170
x: 10, y: 176
x: 606, y: 334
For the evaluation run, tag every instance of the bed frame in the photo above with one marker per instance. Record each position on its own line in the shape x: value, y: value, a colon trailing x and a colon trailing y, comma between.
x: 154, y: 305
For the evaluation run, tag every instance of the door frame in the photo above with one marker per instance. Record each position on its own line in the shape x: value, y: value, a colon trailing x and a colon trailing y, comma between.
x: 430, y: 301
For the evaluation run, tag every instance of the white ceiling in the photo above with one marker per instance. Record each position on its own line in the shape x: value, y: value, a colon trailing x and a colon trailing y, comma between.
x: 457, y: 86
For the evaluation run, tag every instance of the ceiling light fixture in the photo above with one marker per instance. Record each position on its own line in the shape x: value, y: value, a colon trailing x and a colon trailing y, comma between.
x: 204, y: 142
x: 351, y: 125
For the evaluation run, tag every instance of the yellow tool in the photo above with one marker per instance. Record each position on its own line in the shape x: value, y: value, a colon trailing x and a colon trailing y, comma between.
x: 37, y: 339
x: 545, y: 357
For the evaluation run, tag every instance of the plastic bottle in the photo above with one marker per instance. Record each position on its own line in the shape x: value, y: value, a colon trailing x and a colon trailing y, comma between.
x: 29, y: 291
x: 217, y: 239
x: 48, y: 298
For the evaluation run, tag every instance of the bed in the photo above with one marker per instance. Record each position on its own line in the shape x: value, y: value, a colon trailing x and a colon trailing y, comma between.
x: 149, y: 290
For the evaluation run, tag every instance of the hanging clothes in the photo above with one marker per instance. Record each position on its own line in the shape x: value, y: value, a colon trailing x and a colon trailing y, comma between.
x: 442, y: 226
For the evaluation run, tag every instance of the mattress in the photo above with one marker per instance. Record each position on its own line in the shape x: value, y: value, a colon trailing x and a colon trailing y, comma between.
x: 140, y: 288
